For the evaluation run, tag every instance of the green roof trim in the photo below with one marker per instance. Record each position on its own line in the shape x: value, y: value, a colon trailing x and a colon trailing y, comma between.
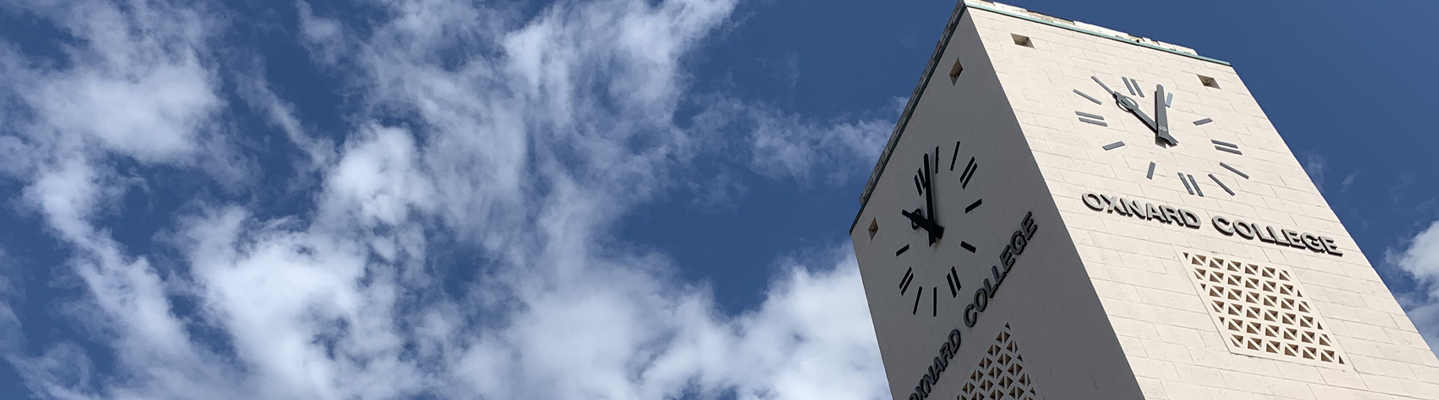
x: 934, y: 60
x: 1099, y: 34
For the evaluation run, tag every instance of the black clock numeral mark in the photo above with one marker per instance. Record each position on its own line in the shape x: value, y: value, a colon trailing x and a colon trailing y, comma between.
x: 904, y: 282
x: 1138, y: 90
x: 901, y: 250
x: 921, y: 179
x: 973, y: 206
x: 917, y: 296
x: 1226, y: 147
x: 934, y: 302
x: 968, y: 173
x: 1231, y: 169
x: 1150, y: 175
x: 967, y: 246
x: 1203, y: 121
x: 1114, y: 145
x: 953, y: 279
x: 1096, y: 101
x: 1221, y: 184
x: 1128, y: 85
x: 1186, y: 183
x: 1197, y: 190
x: 936, y: 159
x: 955, y: 156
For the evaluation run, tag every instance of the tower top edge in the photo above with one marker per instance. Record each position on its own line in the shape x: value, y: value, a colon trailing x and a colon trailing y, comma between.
x: 1016, y: 12
x: 1084, y: 28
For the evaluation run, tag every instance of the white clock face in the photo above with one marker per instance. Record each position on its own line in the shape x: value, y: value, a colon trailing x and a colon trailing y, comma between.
x: 1152, y: 108
x: 934, y: 285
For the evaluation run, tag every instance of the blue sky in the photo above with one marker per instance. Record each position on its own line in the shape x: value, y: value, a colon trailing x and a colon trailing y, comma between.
x: 615, y: 199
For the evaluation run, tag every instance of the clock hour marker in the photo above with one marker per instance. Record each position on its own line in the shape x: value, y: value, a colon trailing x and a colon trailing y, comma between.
x: 1096, y: 101
x: 901, y: 250
x: 953, y: 279
x: 936, y: 159
x: 917, y: 296
x: 1114, y: 145
x: 1203, y: 121
x: 1231, y: 169
x: 1128, y: 85
x: 1091, y: 118
x: 973, y: 205
x: 967, y: 246
x: 934, y: 302
x: 917, y: 187
x: 968, y: 173
x: 904, y: 282
x: 1221, y: 184
x: 1150, y: 175
x: 1226, y: 147
x: 1197, y: 190
x: 1186, y: 183
x: 1138, y: 91
x: 1169, y: 100
x: 955, y: 156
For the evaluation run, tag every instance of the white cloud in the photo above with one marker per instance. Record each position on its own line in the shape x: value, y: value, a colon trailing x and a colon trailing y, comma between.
x: 784, y: 146
x: 1315, y: 165
x: 143, y: 95
x: 1420, y: 259
x: 523, y: 141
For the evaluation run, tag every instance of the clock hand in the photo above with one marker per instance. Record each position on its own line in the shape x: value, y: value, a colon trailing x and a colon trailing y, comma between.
x: 1128, y: 104
x: 1161, y: 117
x: 935, y: 231
x: 929, y: 191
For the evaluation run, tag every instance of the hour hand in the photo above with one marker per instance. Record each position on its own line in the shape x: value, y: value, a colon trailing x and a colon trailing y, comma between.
x: 935, y: 231
x: 1128, y: 104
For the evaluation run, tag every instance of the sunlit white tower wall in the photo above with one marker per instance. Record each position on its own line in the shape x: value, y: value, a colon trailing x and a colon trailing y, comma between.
x: 1065, y: 211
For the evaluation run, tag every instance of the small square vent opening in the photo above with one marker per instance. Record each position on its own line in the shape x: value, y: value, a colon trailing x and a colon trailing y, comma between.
x: 1022, y: 40
x: 1208, y: 82
x: 954, y: 72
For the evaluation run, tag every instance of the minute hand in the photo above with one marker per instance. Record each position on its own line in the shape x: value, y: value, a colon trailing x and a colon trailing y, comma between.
x: 1161, y: 117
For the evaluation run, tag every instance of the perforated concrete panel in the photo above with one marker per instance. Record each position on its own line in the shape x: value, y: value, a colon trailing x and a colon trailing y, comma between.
x: 1261, y: 310
x: 1070, y: 211
x: 1000, y: 374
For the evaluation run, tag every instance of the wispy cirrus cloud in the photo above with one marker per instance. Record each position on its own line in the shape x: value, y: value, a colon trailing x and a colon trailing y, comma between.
x: 1419, y: 258
x: 520, y: 140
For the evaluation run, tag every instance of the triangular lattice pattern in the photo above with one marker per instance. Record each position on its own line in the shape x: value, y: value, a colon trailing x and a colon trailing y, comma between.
x: 1261, y: 311
x: 1000, y: 374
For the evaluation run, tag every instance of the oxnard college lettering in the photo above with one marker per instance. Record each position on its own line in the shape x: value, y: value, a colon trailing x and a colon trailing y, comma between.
x: 1224, y: 225
x: 1156, y: 147
x: 1017, y: 242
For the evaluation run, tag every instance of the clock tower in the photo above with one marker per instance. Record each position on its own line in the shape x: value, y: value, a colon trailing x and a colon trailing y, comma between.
x: 1066, y: 211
